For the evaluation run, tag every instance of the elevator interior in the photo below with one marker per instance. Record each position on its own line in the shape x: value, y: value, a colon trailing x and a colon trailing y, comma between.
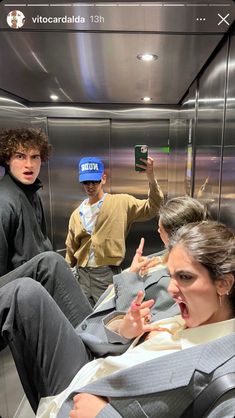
x: 94, y: 70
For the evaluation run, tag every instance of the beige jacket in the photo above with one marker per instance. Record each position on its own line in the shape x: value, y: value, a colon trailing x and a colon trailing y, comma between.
x: 113, y: 223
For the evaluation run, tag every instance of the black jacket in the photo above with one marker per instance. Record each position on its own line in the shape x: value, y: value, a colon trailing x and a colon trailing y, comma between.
x: 22, y: 224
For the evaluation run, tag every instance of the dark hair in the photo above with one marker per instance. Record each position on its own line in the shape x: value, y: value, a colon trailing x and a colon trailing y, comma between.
x: 11, y: 139
x: 212, y: 244
x: 180, y: 211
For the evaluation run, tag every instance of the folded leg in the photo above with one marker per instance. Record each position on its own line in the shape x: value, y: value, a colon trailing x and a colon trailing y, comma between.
x: 51, y: 270
x: 46, y: 349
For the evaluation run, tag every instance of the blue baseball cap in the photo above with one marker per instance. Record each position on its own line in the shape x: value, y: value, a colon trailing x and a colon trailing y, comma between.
x: 90, y: 169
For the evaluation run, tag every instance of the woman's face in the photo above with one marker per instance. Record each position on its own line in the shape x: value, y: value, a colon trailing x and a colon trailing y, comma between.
x: 193, y: 289
x: 163, y: 234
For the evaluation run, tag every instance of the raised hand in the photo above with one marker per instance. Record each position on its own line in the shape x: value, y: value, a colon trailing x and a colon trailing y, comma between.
x: 147, y: 167
x: 136, y: 320
x: 140, y: 263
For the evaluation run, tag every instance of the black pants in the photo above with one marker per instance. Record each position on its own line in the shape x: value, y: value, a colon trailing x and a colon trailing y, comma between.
x: 45, y: 346
x: 52, y: 271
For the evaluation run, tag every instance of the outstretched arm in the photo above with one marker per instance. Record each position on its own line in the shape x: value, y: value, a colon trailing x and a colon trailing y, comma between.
x: 143, y: 209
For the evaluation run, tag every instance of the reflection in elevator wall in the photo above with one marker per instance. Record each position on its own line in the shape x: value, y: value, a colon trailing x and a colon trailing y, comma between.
x: 215, y: 146
x: 210, y: 105
x: 209, y: 131
x: 179, y: 181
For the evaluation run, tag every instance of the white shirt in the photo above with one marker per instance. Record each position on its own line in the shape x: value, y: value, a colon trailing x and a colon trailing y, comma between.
x: 164, y: 342
x: 88, y: 214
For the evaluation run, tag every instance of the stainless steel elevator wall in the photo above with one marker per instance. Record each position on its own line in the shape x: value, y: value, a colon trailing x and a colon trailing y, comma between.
x: 113, y: 141
x: 228, y: 168
x: 210, y: 106
x: 209, y: 130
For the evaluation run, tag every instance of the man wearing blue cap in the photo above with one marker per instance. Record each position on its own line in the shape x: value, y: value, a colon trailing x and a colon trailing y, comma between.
x: 98, y: 227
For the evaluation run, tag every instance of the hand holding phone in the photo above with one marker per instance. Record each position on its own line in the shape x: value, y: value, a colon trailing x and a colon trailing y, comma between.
x: 141, y: 152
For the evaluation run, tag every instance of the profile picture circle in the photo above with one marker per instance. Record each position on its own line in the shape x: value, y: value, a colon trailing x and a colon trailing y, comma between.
x: 16, y: 19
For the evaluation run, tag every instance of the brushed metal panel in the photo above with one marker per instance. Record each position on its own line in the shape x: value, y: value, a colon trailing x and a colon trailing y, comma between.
x: 228, y: 172
x: 189, y: 111
x: 124, y: 136
x: 209, y: 131
x: 124, y: 179
x: 188, y: 106
x: 106, y: 111
x: 101, y: 67
x: 72, y: 139
x: 13, y: 112
x: 180, y: 134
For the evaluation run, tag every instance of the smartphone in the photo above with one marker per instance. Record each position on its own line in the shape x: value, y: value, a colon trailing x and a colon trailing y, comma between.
x: 141, y: 151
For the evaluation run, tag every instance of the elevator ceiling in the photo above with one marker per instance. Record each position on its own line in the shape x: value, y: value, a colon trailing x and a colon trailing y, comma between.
x: 95, y: 60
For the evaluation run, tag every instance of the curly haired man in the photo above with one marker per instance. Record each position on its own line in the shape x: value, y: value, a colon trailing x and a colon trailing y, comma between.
x: 22, y: 222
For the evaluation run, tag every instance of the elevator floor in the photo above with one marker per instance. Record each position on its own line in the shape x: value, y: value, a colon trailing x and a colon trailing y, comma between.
x: 13, y: 403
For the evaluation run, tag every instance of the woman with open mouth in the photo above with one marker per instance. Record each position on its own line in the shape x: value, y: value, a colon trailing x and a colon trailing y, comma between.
x: 169, y: 362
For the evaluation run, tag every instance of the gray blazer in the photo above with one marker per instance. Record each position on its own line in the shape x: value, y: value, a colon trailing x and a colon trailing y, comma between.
x: 92, y: 330
x: 164, y: 387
